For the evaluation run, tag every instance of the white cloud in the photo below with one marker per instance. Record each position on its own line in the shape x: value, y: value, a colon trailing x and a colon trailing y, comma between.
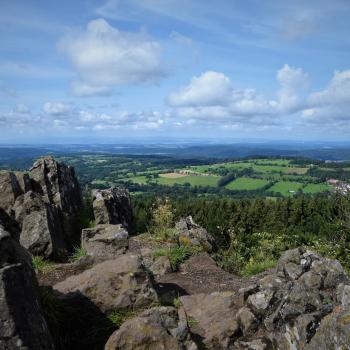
x: 293, y: 81
x: 56, y: 108
x: 209, y: 89
x: 105, y: 57
x: 337, y: 92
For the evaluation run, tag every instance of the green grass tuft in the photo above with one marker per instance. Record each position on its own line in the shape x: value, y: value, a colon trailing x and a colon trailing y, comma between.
x: 79, y: 252
x: 176, y: 255
x: 41, y: 265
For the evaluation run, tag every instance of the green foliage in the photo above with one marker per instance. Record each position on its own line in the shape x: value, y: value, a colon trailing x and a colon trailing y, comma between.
x: 177, y: 302
x: 253, y: 268
x: 163, y: 221
x: 177, y: 255
x: 118, y: 317
x: 78, y: 253
x: 41, y: 265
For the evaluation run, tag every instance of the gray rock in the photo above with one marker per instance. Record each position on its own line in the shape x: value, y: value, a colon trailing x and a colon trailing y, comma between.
x: 154, y: 329
x: 160, y: 266
x: 333, y: 332
x: 212, y: 317
x: 122, y: 283
x: 259, y: 302
x: 112, y: 206
x: 191, y: 234
x: 247, y: 320
x: 105, y: 242
x: 41, y: 231
x: 9, y: 189
x: 343, y: 295
x: 22, y: 324
x: 59, y: 186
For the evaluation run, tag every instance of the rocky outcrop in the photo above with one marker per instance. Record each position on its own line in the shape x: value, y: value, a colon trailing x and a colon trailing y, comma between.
x: 191, y: 234
x: 60, y: 187
x: 22, y: 324
x: 156, y: 328
x: 45, y: 204
x: 112, y: 206
x: 41, y: 231
x: 304, y: 305
x: 122, y: 283
x: 105, y: 242
x: 9, y: 189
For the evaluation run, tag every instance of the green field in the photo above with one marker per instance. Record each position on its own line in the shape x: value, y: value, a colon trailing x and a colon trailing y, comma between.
x: 285, y: 187
x: 192, y: 180
x: 315, y: 188
x: 246, y: 183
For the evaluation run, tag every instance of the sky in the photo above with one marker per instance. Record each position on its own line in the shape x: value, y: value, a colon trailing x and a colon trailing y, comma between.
x: 104, y: 71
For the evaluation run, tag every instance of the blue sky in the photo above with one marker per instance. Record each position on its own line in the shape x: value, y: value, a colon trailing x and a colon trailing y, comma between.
x: 101, y: 71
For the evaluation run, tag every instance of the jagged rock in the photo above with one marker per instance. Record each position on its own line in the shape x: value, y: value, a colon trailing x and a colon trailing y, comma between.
x: 158, y: 266
x: 191, y: 234
x: 343, y: 295
x: 247, y: 320
x: 40, y: 226
x: 12, y: 252
x: 24, y: 181
x: 259, y: 302
x: 105, y: 241
x: 59, y: 186
x: 333, y: 332
x: 22, y: 324
x: 112, y: 206
x: 113, y: 284
x: 155, y: 329
x: 212, y: 318
x: 9, y: 189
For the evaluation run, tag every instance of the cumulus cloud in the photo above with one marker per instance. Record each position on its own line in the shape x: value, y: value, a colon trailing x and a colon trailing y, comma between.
x: 105, y: 57
x: 292, y: 81
x: 56, y: 108
x: 213, y: 97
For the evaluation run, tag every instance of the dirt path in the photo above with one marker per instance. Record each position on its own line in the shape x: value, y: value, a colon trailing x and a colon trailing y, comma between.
x: 200, y: 274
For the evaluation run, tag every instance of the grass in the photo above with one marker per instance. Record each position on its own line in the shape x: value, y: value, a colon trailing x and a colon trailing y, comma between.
x: 253, y: 268
x: 176, y: 255
x: 41, y: 265
x: 78, y: 253
x: 316, y: 188
x: 192, y: 180
x: 118, y: 317
x: 246, y: 183
x: 284, y: 187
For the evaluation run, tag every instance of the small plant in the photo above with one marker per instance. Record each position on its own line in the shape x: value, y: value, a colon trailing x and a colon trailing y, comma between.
x: 177, y: 255
x: 79, y: 252
x: 192, y: 321
x: 118, y: 317
x: 253, y: 268
x: 162, y: 222
x: 177, y: 302
x: 41, y: 265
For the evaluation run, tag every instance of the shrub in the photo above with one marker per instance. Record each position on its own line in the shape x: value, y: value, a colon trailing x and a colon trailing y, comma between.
x: 119, y: 316
x: 162, y: 221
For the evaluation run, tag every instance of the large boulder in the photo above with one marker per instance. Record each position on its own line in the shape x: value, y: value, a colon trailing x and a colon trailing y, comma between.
x: 122, y: 283
x: 41, y: 231
x: 9, y: 189
x: 112, y: 206
x: 105, y: 241
x: 58, y: 184
x: 191, y: 234
x: 212, y: 318
x: 155, y: 329
x: 22, y: 324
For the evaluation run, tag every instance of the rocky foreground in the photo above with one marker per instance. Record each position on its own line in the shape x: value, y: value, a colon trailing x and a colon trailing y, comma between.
x: 304, y: 303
